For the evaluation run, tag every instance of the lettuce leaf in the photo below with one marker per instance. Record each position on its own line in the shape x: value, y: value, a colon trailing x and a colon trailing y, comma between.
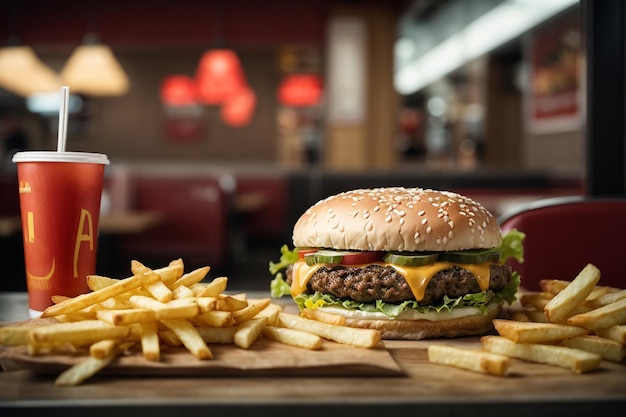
x: 278, y: 286
x: 287, y: 257
x: 512, y: 246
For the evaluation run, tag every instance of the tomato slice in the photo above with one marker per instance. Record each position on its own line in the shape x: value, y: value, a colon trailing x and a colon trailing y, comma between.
x: 303, y: 251
x: 355, y: 258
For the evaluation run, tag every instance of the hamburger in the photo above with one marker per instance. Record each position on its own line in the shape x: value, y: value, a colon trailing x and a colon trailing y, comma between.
x: 413, y: 263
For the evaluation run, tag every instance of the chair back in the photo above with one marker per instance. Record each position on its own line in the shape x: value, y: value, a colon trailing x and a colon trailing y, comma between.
x: 563, y: 234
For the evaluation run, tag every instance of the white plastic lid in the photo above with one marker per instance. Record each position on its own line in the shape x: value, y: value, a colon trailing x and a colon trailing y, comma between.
x: 54, y: 156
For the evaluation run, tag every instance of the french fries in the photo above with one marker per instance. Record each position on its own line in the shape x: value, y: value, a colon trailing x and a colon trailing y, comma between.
x: 530, y: 332
x: 293, y: 337
x: 576, y: 360
x: 166, y: 307
x: 606, y: 316
x: 321, y: 315
x: 88, y: 368
x: 471, y: 359
x: 366, y: 338
x: 608, y: 349
x: 571, y: 324
x: 559, y: 307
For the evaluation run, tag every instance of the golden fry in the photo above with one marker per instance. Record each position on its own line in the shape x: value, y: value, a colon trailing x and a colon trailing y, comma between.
x: 248, y: 332
x: 189, y: 336
x: 103, y: 348
x: 616, y: 333
x: 560, y: 307
x: 191, y: 278
x: 470, y: 359
x: 14, y: 335
x: 603, y: 317
x: 608, y: 349
x: 213, y: 288
x: 84, y: 300
x: 80, y: 332
x: 271, y: 312
x: 323, y: 316
x: 578, y: 361
x: 88, y: 367
x: 150, y: 346
x: 293, y: 337
x: 251, y: 310
x: 215, y: 319
x: 366, y: 338
x: 127, y: 316
x: 529, y: 332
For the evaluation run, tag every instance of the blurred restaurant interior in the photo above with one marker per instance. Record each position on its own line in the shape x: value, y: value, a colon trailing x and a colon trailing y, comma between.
x: 489, y: 98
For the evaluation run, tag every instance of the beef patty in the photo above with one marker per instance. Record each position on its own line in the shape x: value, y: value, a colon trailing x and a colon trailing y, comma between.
x: 378, y: 282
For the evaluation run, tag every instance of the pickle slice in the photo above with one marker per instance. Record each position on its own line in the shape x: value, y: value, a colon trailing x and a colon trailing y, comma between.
x: 410, y: 259
x: 472, y: 256
x: 324, y: 257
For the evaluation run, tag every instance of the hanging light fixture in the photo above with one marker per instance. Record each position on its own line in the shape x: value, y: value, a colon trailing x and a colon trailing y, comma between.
x: 238, y: 109
x: 300, y: 90
x: 22, y: 73
x: 93, y: 70
x: 219, y: 74
x: 178, y: 90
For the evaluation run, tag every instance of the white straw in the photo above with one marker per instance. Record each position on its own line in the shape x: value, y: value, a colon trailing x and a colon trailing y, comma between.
x: 65, y: 98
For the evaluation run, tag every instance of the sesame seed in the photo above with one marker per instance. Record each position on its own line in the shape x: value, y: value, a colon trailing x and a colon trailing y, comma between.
x: 429, y: 229
x: 388, y: 219
x: 425, y: 220
x: 421, y: 213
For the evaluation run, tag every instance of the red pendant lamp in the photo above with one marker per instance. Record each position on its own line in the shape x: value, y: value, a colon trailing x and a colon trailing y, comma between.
x: 219, y: 76
x: 178, y: 90
x: 300, y: 90
x: 238, y: 109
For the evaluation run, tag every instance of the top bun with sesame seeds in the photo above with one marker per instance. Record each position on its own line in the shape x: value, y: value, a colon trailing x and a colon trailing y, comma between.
x: 397, y: 219
x: 413, y: 263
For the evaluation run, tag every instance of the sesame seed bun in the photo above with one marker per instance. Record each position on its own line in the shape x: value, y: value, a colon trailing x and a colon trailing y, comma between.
x: 401, y: 220
x: 397, y: 219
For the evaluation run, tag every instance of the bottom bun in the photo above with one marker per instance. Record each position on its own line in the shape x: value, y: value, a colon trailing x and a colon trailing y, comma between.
x: 427, y: 329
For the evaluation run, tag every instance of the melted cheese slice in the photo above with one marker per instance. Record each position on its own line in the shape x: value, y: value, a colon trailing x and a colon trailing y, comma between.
x: 417, y: 277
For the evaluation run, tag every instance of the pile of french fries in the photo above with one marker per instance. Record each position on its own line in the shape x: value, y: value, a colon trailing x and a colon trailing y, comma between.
x: 572, y: 324
x: 166, y: 307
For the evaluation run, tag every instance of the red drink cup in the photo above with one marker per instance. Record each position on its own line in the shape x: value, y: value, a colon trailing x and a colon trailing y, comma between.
x: 60, y: 208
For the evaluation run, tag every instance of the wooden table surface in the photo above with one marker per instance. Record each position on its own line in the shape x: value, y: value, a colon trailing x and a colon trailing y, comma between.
x: 426, y: 389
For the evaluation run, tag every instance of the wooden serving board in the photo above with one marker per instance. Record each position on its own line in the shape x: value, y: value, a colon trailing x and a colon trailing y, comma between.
x: 264, y: 357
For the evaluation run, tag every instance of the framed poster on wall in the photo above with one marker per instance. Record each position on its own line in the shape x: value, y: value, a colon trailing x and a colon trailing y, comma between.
x: 553, y: 97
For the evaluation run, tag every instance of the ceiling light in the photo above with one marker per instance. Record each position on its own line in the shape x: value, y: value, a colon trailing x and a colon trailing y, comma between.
x: 501, y: 24
x: 219, y: 76
x: 22, y: 73
x: 178, y: 90
x: 93, y: 70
